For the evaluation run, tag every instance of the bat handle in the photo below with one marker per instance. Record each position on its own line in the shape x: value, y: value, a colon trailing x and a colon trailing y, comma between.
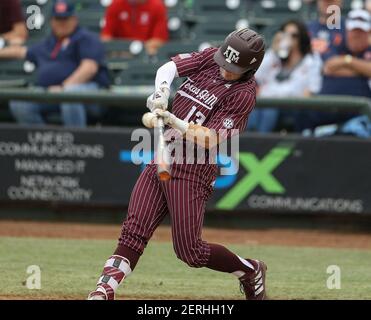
x: 163, y: 161
x: 160, y: 126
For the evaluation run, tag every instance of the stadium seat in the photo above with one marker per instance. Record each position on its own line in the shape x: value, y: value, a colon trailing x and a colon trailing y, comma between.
x: 16, y: 73
x: 92, y: 5
x: 220, y: 8
x: 214, y: 30
x: 176, y: 22
x: 178, y: 29
x: 280, y: 6
x: 92, y: 20
x: 171, y: 49
x: 174, y: 6
x: 37, y: 15
x: 91, y: 13
x: 39, y: 3
x: 138, y: 74
x: 268, y: 31
x: 270, y: 12
x: 120, y: 52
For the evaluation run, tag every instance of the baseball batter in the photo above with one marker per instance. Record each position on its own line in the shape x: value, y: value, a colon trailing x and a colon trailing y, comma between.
x: 218, y: 95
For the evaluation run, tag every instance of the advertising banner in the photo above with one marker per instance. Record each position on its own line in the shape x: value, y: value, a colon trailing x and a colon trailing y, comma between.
x: 275, y: 174
x: 299, y: 175
x: 58, y: 165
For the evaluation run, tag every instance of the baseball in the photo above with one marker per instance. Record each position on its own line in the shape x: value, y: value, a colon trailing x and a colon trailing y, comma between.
x: 148, y: 120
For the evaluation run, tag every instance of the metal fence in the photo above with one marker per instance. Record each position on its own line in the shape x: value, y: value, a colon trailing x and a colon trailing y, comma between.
x: 134, y: 98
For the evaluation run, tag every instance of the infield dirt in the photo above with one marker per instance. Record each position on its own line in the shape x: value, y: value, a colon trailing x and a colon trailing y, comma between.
x: 284, y: 237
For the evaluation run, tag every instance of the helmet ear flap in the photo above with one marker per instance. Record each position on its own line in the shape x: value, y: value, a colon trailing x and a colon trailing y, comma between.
x: 249, y: 74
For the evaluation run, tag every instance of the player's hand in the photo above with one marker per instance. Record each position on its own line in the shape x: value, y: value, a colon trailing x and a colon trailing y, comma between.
x: 159, y: 99
x: 168, y: 117
x: 172, y: 120
x: 149, y: 119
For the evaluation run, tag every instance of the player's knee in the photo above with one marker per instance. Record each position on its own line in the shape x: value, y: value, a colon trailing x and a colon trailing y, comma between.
x: 189, y: 260
x: 190, y: 256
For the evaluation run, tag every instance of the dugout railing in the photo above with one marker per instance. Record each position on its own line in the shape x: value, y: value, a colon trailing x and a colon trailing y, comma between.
x: 133, y: 99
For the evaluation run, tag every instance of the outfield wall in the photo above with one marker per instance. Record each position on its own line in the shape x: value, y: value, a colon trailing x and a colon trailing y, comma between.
x: 276, y: 173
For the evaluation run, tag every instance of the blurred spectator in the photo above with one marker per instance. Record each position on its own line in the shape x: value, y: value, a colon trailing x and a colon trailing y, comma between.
x: 69, y: 60
x: 144, y: 20
x: 323, y: 38
x: 346, y: 71
x: 12, y: 25
x: 368, y: 8
x: 288, y: 69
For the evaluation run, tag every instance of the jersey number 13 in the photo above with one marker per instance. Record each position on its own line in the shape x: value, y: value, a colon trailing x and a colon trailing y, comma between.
x: 200, y: 117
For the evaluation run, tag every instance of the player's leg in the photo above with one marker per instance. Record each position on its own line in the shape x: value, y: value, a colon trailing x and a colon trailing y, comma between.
x: 186, y: 202
x: 147, y: 208
x: 250, y: 272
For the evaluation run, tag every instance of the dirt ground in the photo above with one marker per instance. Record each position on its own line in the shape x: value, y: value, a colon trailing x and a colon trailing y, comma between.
x: 279, y: 237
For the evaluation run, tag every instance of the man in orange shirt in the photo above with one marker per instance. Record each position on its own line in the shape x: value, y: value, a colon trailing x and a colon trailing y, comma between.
x: 144, y: 20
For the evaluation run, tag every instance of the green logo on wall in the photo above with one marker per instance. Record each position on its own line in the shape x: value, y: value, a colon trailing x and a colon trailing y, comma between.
x: 259, y: 172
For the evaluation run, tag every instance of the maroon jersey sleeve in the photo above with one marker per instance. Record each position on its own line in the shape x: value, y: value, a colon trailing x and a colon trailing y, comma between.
x: 189, y: 63
x: 231, y: 117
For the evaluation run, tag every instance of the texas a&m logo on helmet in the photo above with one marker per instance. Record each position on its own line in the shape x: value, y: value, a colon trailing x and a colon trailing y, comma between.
x: 232, y: 55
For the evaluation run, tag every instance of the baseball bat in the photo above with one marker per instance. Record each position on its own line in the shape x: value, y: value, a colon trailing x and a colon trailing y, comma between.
x: 163, y: 157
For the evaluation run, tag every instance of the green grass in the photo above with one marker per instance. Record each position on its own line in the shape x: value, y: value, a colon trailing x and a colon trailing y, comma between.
x: 70, y: 268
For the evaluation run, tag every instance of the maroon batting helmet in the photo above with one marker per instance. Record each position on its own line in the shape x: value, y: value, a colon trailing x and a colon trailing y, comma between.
x: 242, y: 52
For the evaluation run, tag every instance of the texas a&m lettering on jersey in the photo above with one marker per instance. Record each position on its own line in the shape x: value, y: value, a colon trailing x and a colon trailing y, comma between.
x: 201, y: 96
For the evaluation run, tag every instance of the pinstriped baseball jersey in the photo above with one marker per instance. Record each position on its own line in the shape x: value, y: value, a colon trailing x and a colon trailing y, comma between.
x: 205, y: 98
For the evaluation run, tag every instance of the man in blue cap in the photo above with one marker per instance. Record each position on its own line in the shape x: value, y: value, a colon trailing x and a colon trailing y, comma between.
x: 346, y: 71
x: 71, y: 59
